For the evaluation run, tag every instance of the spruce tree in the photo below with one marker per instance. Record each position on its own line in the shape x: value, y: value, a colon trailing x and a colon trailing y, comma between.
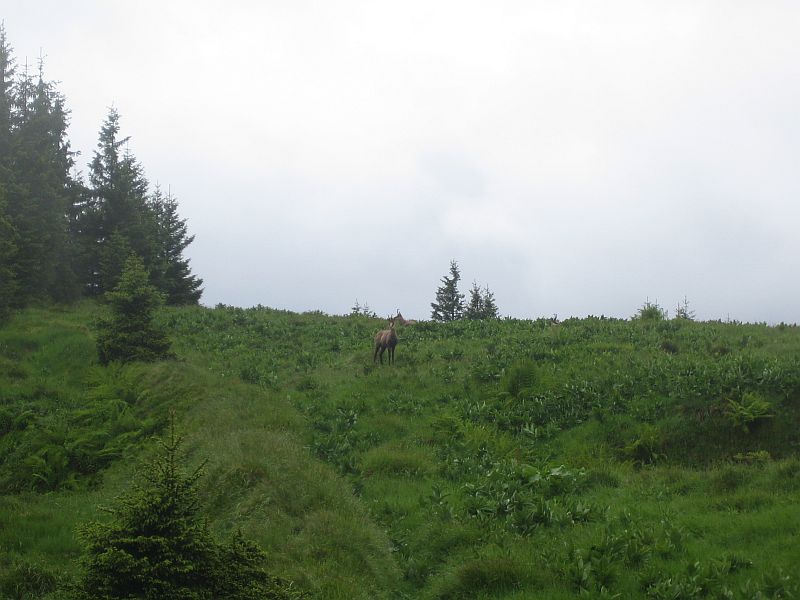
x: 449, y: 305
x: 174, y: 276
x: 7, y: 255
x: 158, y: 545
x: 38, y: 191
x: 7, y: 231
x: 490, y: 310
x: 474, y: 309
x: 481, y: 304
x: 6, y: 101
x: 682, y: 311
x: 130, y: 334
x: 116, y: 204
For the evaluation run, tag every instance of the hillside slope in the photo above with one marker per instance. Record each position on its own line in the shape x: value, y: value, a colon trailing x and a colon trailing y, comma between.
x: 504, y: 459
x: 74, y: 433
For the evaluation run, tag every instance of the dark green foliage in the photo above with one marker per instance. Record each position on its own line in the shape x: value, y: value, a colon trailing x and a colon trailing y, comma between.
x: 59, y: 237
x: 449, y: 304
x: 8, y: 248
x: 520, y: 376
x: 682, y: 311
x: 746, y: 412
x: 650, y: 311
x: 481, y: 304
x: 487, y: 575
x: 173, y: 275
x: 54, y: 437
x: 116, y: 217
x: 158, y: 545
x: 8, y: 252
x: 362, y: 310
x: 130, y: 334
x: 35, y: 160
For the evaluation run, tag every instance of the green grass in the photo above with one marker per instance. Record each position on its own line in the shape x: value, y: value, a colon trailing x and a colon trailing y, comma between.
x: 507, y: 459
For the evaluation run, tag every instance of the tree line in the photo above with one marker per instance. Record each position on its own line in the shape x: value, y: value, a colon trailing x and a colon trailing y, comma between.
x: 61, y: 236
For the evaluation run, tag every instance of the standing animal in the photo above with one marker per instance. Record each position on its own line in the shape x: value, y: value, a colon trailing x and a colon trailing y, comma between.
x: 386, y: 339
x: 403, y: 321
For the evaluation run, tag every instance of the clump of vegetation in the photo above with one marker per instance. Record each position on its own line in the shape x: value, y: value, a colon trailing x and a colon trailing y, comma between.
x: 25, y: 579
x: 683, y: 312
x: 158, y: 545
x: 519, y: 377
x: 362, y: 310
x: 130, y: 334
x: 650, y: 311
x: 746, y: 412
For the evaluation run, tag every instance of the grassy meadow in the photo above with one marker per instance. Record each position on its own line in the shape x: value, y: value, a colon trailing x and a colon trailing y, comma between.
x: 496, y: 459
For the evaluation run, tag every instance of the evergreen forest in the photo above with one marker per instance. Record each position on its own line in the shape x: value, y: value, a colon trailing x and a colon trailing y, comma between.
x: 63, y: 237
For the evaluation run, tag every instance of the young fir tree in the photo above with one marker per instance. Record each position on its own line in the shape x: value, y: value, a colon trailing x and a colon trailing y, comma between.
x: 174, y: 275
x: 130, y: 334
x: 490, y: 310
x: 682, y: 311
x: 474, y: 309
x: 449, y: 305
x: 158, y: 545
x: 481, y: 304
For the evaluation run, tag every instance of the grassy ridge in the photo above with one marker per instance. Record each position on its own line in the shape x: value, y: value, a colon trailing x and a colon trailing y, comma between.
x: 259, y: 477
x: 508, y: 459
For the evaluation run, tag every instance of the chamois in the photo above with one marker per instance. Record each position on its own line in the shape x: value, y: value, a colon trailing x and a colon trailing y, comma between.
x: 385, y: 339
x: 403, y: 321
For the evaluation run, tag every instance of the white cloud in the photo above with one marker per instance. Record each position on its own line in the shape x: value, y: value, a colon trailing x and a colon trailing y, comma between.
x: 577, y: 158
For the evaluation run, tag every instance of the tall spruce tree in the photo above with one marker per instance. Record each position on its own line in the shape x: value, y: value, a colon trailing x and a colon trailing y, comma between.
x: 449, y: 305
x: 38, y: 191
x: 174, y: 276
x: 7, y: 231
x: 7, y: 254
x: 115, y: 216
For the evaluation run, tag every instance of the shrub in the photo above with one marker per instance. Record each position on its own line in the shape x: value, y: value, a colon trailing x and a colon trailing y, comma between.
x: 491, y: 574
x: 650, y: 311
x: 519, y: 377
x: 745, y: 413
x: 27, y: 580
x: 646, y: 447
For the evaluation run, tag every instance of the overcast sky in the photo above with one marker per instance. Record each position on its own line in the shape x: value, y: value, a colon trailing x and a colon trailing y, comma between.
x: 576, y: 157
